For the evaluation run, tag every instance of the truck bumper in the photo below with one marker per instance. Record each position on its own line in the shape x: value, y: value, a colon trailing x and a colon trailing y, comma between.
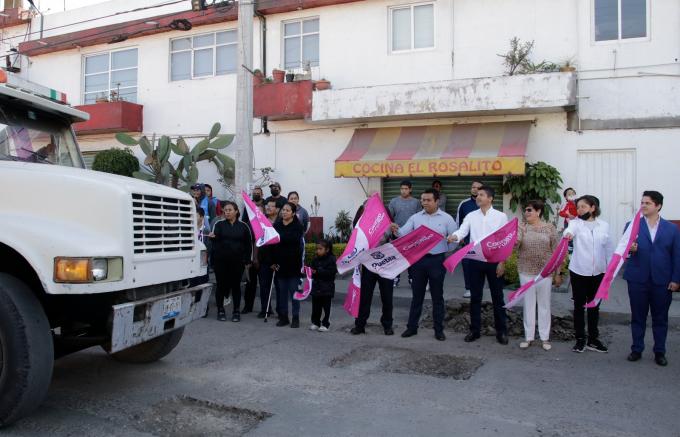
x: 137, y: 322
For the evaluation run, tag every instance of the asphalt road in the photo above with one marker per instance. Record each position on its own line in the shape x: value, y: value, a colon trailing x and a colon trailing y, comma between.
x: 255, y: 379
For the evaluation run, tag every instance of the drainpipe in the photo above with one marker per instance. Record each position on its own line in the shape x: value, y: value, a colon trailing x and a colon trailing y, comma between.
x: 263, y: 62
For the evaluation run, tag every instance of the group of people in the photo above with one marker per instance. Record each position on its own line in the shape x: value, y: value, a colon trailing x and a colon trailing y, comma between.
x: 652, y: 270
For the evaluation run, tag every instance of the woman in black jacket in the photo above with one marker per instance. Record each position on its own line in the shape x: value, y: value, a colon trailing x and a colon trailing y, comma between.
x: 323, y: 285
x: 287, y: 263
x: 232, y: 252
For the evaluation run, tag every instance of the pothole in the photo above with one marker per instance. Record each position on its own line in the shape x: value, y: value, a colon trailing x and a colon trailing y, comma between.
x: 406, y: 361
x: 187, y: 416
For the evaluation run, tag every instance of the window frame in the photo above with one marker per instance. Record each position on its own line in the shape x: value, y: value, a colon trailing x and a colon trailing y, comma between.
x: 411, y: 7
x: 108, y: 71
x: 619, y: 40
x: 191, y: 50
x: 301, y: 36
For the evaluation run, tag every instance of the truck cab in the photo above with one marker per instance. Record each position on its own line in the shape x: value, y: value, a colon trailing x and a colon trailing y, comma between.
x: 88, y: 258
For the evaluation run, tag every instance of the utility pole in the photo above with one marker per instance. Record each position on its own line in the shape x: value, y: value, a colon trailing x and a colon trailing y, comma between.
x: 244, y: 98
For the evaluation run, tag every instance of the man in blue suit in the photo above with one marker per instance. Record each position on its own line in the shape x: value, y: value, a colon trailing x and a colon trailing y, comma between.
x: 653, y: 273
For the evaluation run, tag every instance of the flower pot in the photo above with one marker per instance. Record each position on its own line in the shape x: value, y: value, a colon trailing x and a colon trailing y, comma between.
x: 567, y: 68
x: 322, y: 84
x: 278, y: 76
x: 290, y: 77
x: 258, y: 79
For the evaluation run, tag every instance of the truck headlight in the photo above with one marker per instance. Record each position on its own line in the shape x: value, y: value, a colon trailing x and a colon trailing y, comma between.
x: 204, y: 258
x: 80, y: 270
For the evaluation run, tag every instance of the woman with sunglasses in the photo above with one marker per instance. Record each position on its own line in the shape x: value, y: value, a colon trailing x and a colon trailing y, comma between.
x: 536, y: 241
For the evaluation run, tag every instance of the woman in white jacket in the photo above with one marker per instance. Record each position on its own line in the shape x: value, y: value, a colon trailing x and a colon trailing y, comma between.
x: 593, y: 249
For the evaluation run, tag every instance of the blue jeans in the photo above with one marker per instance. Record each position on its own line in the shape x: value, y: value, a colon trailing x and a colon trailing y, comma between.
x: 479, y: 271
x: 428, y: 269
x: 643, y: 299
x: 287, y: 286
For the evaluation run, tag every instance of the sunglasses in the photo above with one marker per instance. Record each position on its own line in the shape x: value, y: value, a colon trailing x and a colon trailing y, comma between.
x: 528, y: 210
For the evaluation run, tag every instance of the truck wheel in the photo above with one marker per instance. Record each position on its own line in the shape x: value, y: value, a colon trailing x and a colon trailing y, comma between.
x: 26, y: 350
x: 152, y: 350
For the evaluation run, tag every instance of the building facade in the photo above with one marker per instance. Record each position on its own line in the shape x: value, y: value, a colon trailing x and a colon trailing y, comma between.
x: 418, y: 90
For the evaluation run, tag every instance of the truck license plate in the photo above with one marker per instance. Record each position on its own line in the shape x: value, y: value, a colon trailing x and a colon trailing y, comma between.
x: 171, y: 307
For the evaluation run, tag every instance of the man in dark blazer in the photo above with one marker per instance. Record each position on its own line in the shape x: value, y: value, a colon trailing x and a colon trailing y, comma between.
x: 653, y: 273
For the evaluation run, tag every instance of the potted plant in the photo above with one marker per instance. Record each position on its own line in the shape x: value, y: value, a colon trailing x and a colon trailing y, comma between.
x: 258, y: 77
x: 278, y: 75
x: 567, y: 67
x: 322, y: 84
x: 101, y: 98
x: 290, y: 76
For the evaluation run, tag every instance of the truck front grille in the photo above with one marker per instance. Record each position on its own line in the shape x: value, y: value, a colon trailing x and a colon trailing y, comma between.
x: 162, y: 224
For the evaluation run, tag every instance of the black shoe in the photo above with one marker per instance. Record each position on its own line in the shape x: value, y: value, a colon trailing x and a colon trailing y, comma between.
x: 409, y: 333
x: 247, y: 310
x: 261, y: 315
x: 221, y: 316
x: 356, y: 331
x: 282, y: 322
x: 596, y: 346
x: 660, y: 359
x: 236, y: 317
x: 580, y: 346
x: 502, y: 339
x: 389, y: 331
x: 295, y: 323
x: 440, y: 336
x: 634, y: 356
x: 471, y: 337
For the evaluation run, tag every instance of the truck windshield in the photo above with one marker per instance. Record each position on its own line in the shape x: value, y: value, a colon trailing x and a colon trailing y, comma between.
x: 31, y: 135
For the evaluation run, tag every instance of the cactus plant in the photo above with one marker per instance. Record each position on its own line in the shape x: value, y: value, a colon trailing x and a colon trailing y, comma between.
x: 159, y: 169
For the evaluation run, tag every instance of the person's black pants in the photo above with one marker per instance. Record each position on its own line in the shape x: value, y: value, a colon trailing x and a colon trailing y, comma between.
x: 428, y: 269
x: 584, y: 289
x: 250, y: 289
x: 480, y: 271
x: 321, y: 303
x: 368, y: 282
x: 228, y: 275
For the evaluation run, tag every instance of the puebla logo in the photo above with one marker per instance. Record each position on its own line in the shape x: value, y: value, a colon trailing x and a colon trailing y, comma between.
x: 378, y: 255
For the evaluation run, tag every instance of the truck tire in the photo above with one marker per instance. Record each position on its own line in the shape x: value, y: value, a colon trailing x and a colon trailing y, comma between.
x: 152, y: 350
x: 26, y: 350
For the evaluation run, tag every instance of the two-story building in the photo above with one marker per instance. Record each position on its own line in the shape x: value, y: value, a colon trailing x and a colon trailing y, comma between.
x: 418, y: 89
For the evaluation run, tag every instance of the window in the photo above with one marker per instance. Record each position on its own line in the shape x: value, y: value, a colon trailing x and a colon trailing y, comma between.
x: 211, y: 54
x: 300, y: 43
x: 111, y: 75
x: 412, y: 27
x: 620, y: 19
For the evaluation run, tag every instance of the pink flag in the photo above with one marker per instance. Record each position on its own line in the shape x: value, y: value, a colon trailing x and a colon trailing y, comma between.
x: 390, y: 259
x: 306, y: 284
x: 551, y: 267
x: 366, y: 234
x: 493, y: 248
x: 627, y: 239
x: 353, y: 294
x: 262, y: 228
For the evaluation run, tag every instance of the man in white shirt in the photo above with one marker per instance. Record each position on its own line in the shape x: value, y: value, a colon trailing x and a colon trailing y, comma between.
x: 429, y: 268
x: 478, y: 224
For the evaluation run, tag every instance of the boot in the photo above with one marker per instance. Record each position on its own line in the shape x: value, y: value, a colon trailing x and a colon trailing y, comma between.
x: 296, y: 322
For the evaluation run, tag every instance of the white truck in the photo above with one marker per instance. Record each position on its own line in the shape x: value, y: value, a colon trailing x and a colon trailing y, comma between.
x: 86, y: 258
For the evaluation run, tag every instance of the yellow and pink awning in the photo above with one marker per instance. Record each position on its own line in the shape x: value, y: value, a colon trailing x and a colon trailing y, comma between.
x: 442, y: 150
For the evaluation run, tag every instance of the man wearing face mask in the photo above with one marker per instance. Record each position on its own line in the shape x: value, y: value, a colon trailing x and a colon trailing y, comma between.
x: 275, y: 189
x: 466, y: 207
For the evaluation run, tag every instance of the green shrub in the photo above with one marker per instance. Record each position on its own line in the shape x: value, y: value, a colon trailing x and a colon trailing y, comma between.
x: 117, y: 161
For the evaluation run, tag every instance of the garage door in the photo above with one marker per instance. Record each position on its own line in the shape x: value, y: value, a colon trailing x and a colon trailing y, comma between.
x: 456, y: 188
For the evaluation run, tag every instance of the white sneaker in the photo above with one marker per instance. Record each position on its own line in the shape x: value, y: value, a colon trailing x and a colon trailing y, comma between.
x: 466, y: 295
x: 323, y: 329
x: 546, y: 345
x: 524, y: 344
x: 313, y: 327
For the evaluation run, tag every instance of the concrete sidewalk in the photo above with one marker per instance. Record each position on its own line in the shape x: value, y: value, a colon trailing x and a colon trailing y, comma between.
x: 617, y: 306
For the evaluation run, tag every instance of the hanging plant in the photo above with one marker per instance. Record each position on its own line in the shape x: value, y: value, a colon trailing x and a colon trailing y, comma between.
x: 540, y: 181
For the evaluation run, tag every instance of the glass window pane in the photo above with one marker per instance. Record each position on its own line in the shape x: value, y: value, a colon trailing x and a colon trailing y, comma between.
x: 606, y: 20
x: 228, y: 37
x: 204, y: 40
x: 180, y: 66
x: 226, y: 59
x: 633, y: 18
x: 124, y: 59
x: 90, y: 99
x: 97, y: 82
x: 423, y: 23
x: 292, y: 53
x: 180, y: 44
x: 401, y: 29
x: 203, y: 62
x: 123, y: 78
x: 310, y: 49
x: 291, y: 28
x: 128, y: 94
x: 96, y: 64
x: 309, y: 26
